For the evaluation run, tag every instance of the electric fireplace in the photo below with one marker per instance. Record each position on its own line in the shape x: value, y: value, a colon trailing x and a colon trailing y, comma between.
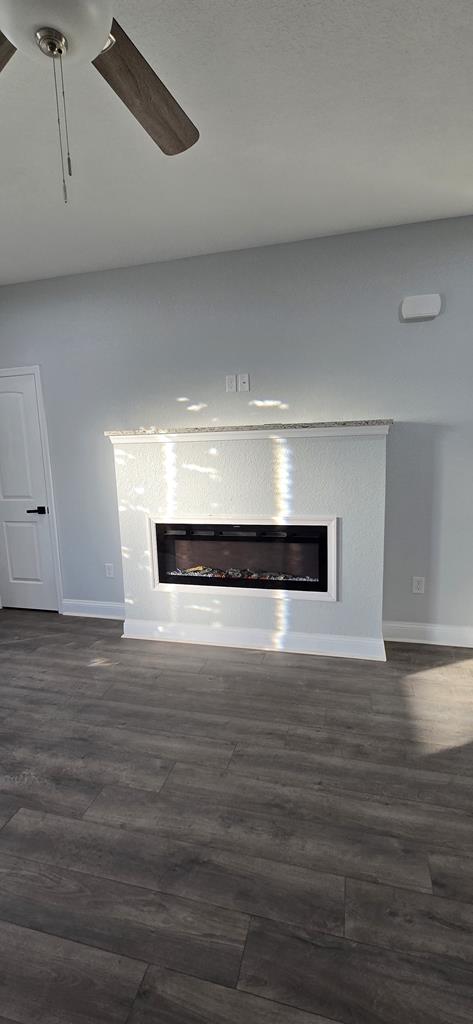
x: 263, y: 557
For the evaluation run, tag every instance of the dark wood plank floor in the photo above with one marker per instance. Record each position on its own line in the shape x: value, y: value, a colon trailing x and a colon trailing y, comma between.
x: 207, y: 836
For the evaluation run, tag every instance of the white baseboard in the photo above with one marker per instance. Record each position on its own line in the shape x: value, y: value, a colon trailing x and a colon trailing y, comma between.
x: 368, y: 648
x: 93, y: 609
x: 429, y: 633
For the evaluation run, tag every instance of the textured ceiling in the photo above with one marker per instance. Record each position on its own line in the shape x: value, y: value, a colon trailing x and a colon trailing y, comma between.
x: 316, y: 116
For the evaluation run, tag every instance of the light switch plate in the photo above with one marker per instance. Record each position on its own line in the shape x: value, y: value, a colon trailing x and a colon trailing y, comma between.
x: 243, y: 382
x: 230, y: 382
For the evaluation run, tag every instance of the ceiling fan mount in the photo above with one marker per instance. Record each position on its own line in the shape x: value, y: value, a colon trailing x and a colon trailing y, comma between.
x: 51, y: 42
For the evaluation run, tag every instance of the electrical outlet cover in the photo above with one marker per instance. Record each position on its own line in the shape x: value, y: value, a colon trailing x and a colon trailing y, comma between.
x: 418, y: 584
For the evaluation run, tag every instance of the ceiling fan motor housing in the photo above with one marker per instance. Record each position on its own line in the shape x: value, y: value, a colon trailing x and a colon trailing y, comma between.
x: 84, y: 25
x: 51, y: 42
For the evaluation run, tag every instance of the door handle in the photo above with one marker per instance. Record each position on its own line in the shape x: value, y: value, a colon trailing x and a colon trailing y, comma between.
x: 39, y: 511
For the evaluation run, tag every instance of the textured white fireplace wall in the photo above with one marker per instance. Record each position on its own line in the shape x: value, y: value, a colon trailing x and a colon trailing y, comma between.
x: 264, y: 478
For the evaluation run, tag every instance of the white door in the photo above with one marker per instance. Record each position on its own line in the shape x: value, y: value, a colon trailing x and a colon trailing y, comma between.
x: 27, y: 571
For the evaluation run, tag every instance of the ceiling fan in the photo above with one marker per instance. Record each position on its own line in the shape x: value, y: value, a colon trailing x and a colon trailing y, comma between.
x: 85, y: 30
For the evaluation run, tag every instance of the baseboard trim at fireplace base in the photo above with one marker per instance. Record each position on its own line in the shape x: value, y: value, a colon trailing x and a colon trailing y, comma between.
x: 368, y: 648
x: 428, y: 633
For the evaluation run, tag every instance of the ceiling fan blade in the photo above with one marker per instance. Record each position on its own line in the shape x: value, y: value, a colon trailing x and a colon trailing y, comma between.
x: 135, y: 82
x: 6, y: 50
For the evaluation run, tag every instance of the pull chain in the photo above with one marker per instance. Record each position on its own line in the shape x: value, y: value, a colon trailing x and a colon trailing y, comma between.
x: 54, y: 44
x: 61, y: 150
x: 69, y: 161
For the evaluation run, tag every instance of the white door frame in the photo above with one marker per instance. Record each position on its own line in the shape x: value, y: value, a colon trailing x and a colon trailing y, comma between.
x: 22, y: 371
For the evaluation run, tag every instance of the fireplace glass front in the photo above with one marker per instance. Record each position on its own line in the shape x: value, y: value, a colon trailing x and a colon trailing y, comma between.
x: 252, y: 556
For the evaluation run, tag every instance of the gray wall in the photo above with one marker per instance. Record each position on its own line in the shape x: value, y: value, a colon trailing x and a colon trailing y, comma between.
x: 317, y: 326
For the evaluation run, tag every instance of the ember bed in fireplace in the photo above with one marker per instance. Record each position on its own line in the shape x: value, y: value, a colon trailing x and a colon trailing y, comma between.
x: 268, y: 557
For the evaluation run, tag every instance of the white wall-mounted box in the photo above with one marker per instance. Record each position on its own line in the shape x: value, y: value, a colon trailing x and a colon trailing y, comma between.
x: 420, y: 307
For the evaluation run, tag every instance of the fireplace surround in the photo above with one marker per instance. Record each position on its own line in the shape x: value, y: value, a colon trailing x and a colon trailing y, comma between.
x: 254, y: 478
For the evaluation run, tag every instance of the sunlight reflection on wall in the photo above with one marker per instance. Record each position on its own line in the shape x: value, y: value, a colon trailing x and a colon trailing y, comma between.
x: 209, y: 470
x: 268, y: 403
x: 170, y: 484
x: 282, y: 472
x: 199, y: 607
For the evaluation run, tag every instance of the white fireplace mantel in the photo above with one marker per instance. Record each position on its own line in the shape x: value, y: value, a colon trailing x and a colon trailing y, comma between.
x: 270, y: 473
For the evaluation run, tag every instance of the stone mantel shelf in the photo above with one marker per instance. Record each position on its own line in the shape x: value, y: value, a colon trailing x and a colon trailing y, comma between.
x: 258, y: 430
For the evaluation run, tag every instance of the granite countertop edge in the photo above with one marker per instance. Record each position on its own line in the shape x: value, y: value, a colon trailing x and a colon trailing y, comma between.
x: 244, y: 427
